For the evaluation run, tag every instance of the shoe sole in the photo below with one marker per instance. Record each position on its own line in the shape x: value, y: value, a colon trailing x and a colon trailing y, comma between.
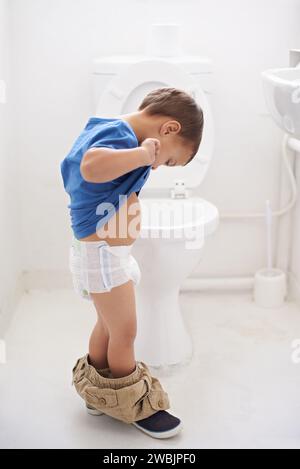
x: 95, y: 412
x: 158, y: 435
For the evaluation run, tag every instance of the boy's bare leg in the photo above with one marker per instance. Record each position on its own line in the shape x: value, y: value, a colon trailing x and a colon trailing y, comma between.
x: 98, y: 345
x: 118, y: 311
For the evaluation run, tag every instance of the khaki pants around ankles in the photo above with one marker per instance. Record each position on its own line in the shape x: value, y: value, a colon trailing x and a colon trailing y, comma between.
x: 129, y: 399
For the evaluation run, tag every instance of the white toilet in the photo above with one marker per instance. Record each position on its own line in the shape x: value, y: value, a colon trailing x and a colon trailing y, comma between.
x: 175, y: 223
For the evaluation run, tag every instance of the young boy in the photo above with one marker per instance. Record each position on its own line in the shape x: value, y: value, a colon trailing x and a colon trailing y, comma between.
x: 104, y: 174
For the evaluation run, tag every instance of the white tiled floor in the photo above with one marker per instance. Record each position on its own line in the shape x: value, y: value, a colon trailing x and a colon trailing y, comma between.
x: 240, y: 391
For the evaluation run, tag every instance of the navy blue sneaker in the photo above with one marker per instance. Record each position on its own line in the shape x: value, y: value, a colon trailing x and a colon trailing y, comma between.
x: 160, y: 425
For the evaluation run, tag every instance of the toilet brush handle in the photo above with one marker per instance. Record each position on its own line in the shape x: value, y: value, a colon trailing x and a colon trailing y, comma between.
x: 269, y: 234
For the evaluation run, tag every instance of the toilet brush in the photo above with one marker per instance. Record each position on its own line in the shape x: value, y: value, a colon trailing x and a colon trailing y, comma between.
x: 270, y: 283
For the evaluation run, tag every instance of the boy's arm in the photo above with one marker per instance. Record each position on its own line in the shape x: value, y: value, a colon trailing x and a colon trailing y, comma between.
x: 105, y: 164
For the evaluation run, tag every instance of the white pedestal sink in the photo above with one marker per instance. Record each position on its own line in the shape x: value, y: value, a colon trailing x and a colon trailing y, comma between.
x: 282, y: 93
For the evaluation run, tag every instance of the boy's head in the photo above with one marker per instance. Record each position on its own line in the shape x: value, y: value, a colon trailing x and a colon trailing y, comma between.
x: 179, y: 125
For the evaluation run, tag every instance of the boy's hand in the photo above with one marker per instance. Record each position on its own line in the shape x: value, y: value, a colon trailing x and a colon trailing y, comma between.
x: 152, y: 149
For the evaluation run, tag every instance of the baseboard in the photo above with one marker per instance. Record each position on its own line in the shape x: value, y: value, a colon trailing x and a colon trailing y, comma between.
x: 50, y: 280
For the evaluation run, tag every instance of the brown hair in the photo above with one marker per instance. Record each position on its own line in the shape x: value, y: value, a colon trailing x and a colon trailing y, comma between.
x: 180, y: 106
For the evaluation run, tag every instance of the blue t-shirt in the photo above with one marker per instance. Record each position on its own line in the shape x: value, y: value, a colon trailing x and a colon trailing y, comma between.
x: 86, y: 196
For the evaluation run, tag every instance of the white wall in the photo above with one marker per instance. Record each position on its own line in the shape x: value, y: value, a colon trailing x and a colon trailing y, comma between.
x: 54, y: 44
x: 10, y: 229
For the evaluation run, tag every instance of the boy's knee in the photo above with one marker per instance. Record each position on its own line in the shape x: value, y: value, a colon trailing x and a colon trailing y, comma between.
x: 104, y: 327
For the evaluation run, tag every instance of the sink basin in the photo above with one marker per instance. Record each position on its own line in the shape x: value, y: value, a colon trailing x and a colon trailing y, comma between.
x: 282, y: 93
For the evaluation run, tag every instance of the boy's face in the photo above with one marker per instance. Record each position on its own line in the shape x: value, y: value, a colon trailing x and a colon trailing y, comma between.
x: 173, y: 150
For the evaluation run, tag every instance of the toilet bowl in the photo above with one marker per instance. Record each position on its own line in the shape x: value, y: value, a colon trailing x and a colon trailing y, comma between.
x: 175, y: 223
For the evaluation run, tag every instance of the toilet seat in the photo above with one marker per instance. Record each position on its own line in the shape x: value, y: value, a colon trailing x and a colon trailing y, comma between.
x: 152, y: 74
x: 178, y: 216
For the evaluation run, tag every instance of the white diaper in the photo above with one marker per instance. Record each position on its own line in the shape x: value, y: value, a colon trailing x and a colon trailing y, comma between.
x: 97, y: 267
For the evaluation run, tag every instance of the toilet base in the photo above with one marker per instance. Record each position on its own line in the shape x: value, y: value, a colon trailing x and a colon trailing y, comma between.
x: 162, y: 339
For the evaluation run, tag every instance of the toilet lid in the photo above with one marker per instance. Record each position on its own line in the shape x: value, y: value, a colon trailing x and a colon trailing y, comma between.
x: 126, y: 91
